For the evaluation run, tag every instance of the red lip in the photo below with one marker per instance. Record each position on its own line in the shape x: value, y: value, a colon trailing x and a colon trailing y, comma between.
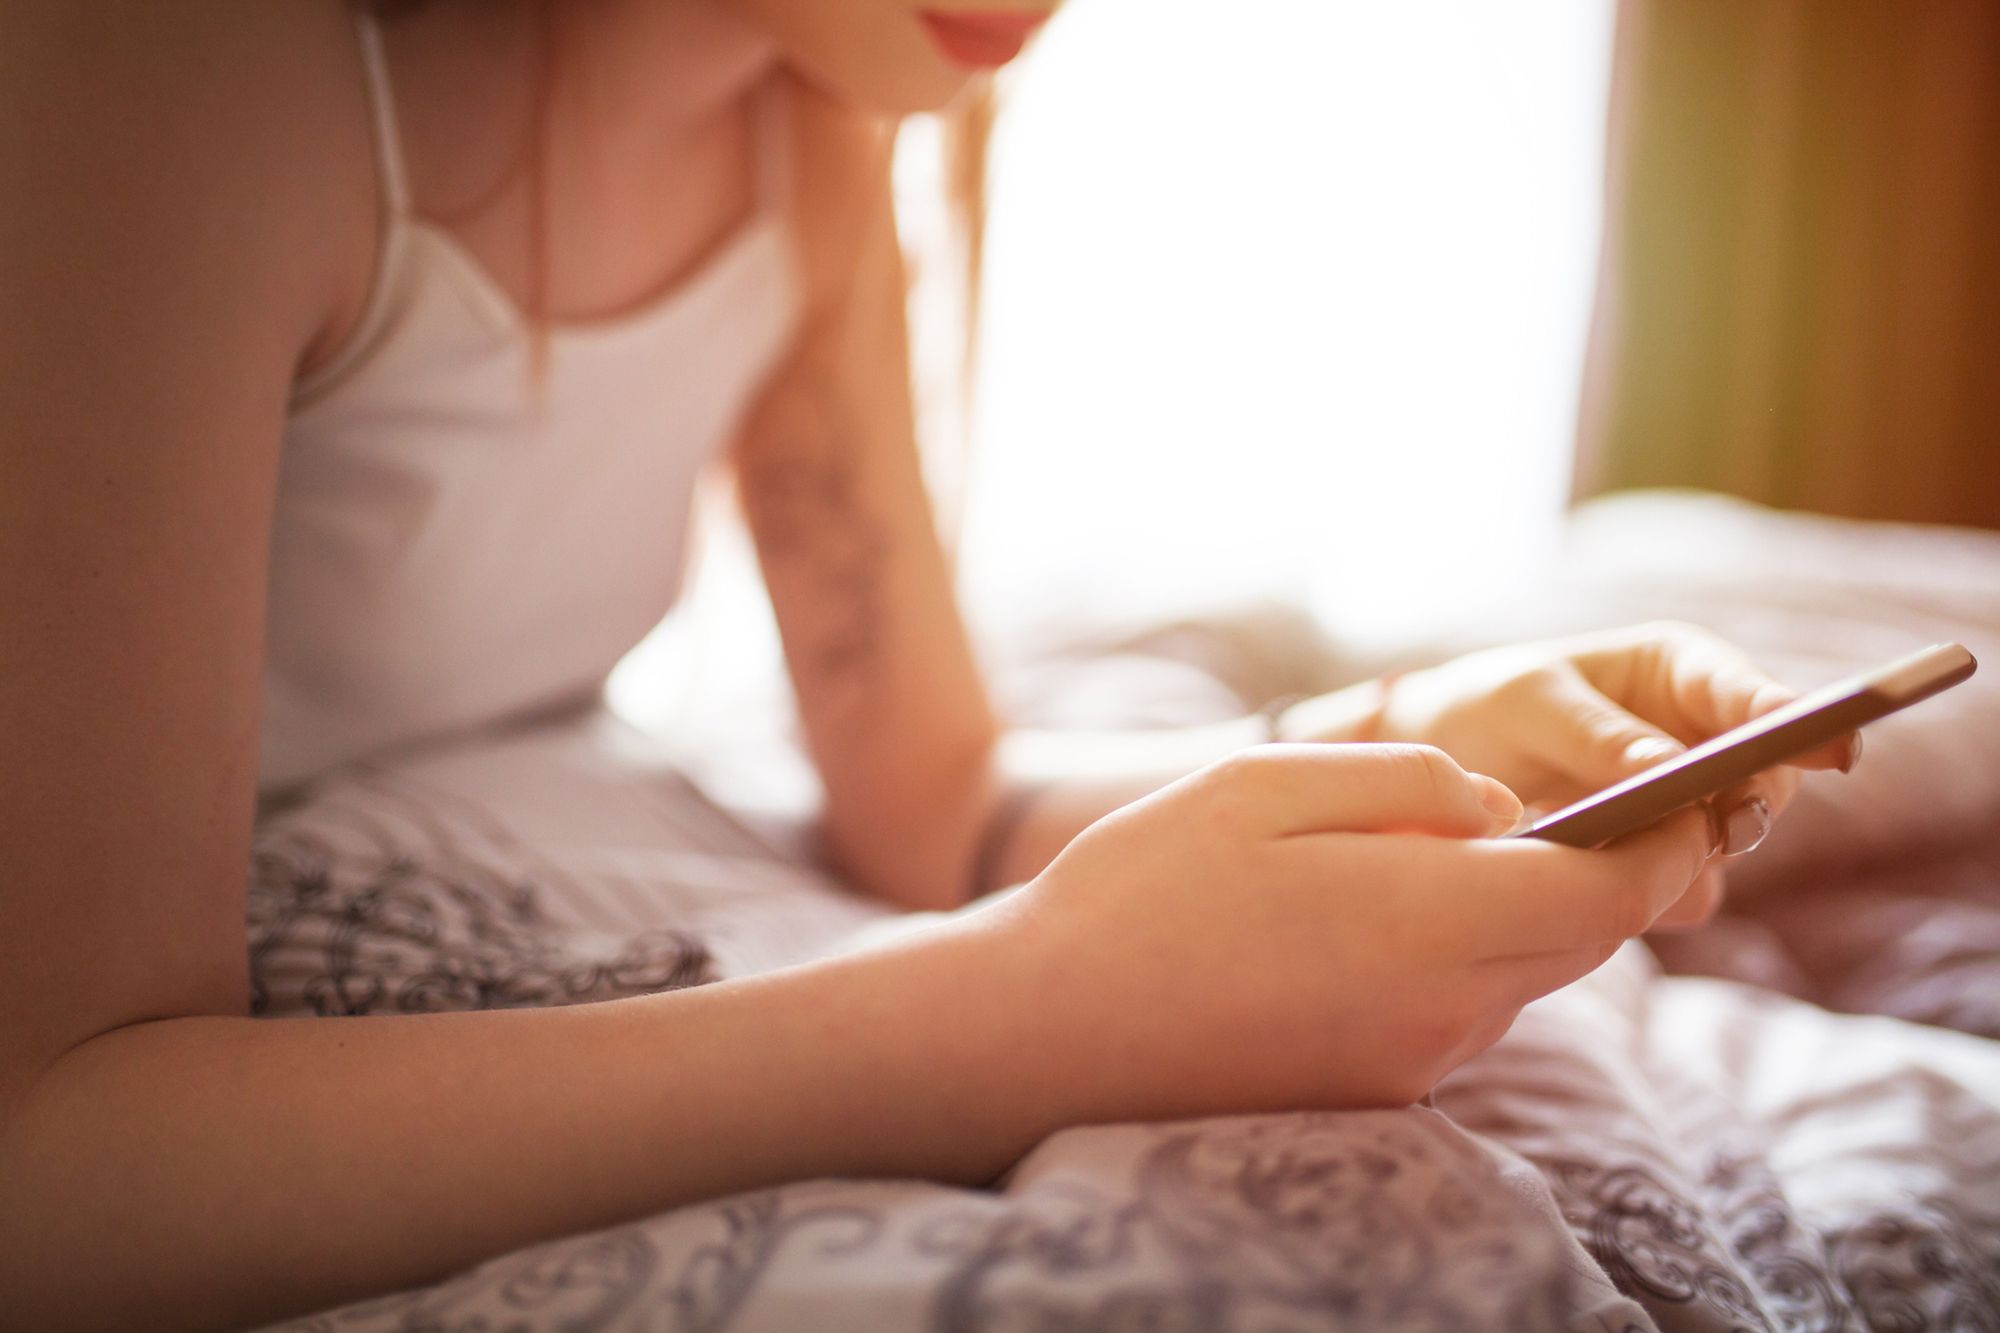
x: 982, y: 39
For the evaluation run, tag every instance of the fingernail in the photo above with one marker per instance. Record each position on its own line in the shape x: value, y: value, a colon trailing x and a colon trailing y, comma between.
x: 1651, y: 750
x: 1770, y: 697
x: 1853, y: 753
x: 1500, y: 802
x: 1747, y: 826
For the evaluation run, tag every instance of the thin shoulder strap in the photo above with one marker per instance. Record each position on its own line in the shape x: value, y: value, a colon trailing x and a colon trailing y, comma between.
x: 388, y: 136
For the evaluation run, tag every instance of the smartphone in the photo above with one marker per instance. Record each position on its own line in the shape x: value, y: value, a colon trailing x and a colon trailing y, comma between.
x: 1785, y: 733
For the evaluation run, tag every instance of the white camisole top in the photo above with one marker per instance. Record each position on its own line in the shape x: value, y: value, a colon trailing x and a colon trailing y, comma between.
x: 457, y: 540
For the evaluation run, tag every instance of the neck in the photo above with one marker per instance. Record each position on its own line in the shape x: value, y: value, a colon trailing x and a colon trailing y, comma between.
x: 652, y: 69
x: 630, y: 81
x: 649, y: 68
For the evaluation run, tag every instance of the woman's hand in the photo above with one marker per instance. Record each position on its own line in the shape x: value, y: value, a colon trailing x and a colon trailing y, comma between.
x: 1314, y: 926
x: 1558, y: 720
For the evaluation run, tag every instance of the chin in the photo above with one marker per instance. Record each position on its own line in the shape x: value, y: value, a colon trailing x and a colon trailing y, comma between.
x: 908, y: 88
x: 874, y: 55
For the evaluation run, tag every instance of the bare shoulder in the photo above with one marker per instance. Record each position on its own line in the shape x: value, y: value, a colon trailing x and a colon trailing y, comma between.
x: 843, y: 202
x: 181, y: 209
x: 232, y: 131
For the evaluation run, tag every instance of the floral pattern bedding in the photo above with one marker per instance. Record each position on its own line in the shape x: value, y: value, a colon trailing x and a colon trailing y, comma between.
x: 1649, y: 1149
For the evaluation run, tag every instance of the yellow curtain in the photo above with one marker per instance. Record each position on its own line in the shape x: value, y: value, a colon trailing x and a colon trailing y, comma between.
x: 1800, y: 294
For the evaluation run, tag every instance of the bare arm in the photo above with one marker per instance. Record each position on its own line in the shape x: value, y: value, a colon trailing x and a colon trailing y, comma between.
x: 895, y: 712
x: 927, y: 802
x: 172, y: 224
x: 220, y: 1171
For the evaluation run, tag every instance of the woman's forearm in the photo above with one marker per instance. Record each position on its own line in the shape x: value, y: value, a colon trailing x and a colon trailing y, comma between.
x: 1002, y: 820
x: 1049, y: 786
x: 206, y: 1172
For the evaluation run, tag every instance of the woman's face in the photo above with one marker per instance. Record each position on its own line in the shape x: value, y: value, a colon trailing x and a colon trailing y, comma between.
x: 897, y: 55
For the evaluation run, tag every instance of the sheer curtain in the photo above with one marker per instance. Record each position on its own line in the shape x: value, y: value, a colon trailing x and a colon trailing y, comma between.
x: 1286, y: 296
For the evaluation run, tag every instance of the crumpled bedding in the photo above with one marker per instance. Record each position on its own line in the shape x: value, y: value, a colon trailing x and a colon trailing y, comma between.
x: 1648, y: 1149
x: 1879, y: 892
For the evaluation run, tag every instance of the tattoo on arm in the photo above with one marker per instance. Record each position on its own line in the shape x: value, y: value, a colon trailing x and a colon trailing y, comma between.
x: 815, y: 533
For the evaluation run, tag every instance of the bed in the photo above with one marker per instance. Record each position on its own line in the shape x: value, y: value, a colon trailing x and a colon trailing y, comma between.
x: 1788, y: 1120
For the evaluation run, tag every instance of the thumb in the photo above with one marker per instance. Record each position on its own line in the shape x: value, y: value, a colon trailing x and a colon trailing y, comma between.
x: 1283, y: 790
x: 1590, y: 739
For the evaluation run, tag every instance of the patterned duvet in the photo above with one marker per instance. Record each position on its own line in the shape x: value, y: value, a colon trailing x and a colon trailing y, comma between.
x: 1644, y: 1151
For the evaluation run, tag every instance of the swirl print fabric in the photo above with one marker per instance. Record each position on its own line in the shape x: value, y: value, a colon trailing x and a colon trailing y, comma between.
x: 1641, y: 1152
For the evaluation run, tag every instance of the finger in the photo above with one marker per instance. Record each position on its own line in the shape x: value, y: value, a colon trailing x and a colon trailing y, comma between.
x: 1521, y: 979
x: 1840, y: 754
x: 1774, y: 787
x: 1586, y: 736
x: 1701, y: 686
x: 1282, y: 790
x: 1543, y: 896
x: 1698, y: 906
x: 1737, y: 809
x: 1486, y: 1035
x: 1741, y: 829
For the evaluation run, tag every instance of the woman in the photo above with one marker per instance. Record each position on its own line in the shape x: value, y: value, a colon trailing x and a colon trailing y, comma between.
x: 358, y: 364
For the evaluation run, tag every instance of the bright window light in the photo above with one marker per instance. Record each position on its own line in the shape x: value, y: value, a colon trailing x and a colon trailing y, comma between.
x: 1285, y: 297
x: 1289, y: 297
